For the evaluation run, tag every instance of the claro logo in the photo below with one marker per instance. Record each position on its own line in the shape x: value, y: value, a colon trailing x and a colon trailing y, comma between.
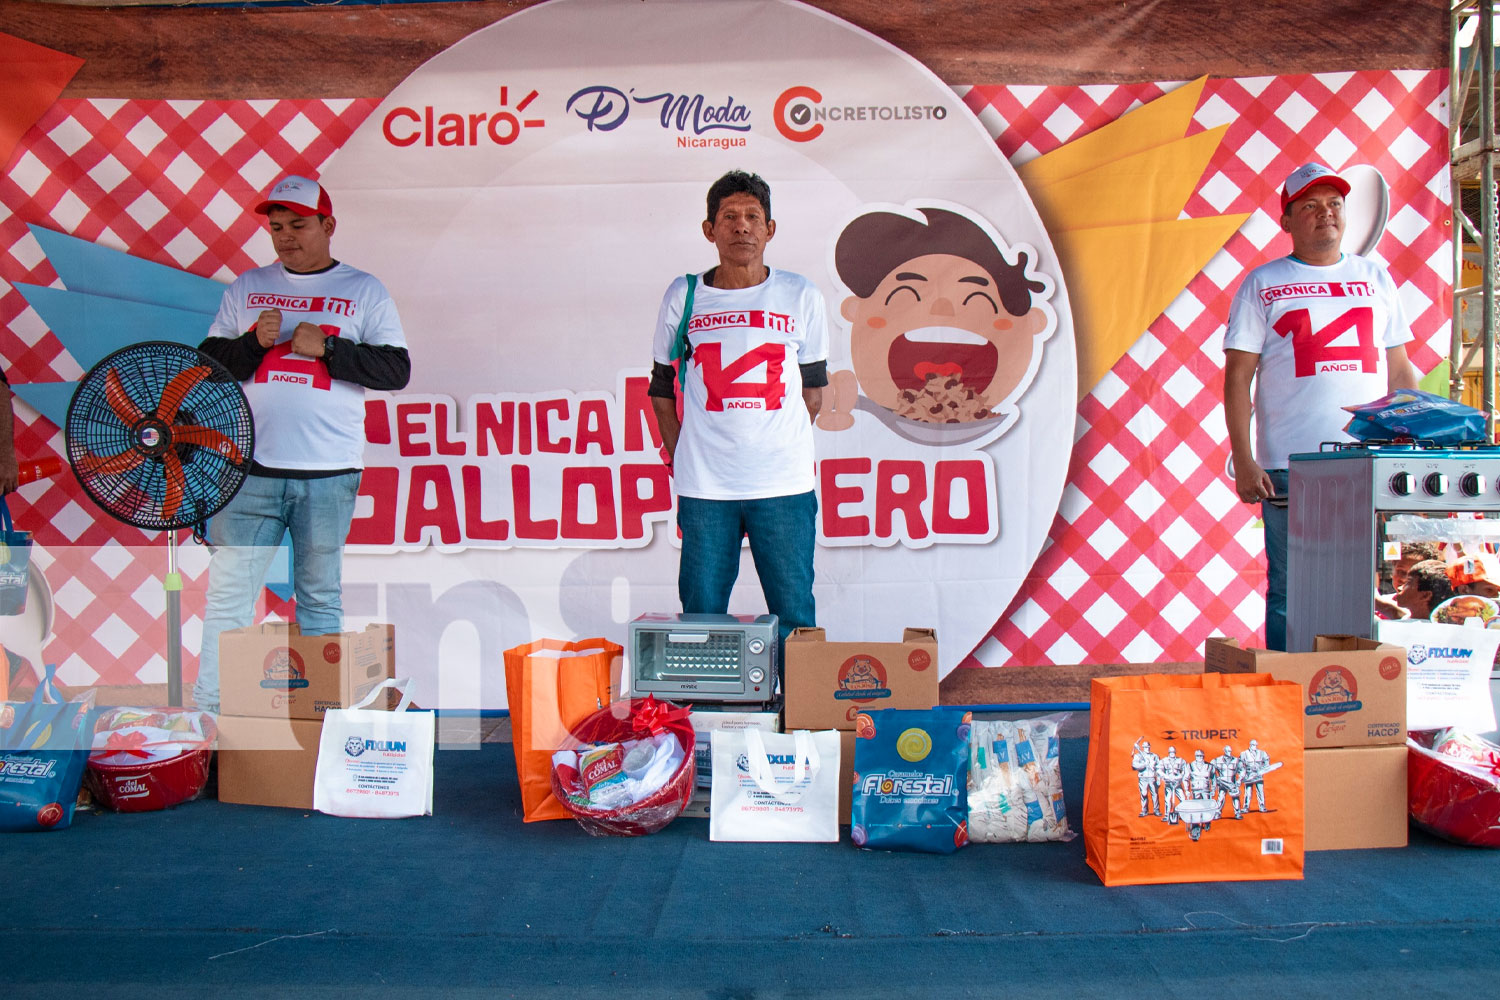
x: 434, y: 126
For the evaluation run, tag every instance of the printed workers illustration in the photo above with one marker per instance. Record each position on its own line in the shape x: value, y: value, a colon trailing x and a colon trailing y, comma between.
x: 1194, y: 792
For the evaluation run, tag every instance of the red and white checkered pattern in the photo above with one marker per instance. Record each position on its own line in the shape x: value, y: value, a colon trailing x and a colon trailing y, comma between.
x: 1150, y: 552
x: 167, y: 181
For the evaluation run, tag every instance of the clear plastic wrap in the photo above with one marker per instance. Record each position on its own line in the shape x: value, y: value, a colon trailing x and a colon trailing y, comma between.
x: 1015, y: 782
x: 633, y: 719
x: 1453, y: 786
x: 145, y: 759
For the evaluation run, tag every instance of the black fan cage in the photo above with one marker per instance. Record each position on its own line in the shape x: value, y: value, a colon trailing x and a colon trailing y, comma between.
x: 125, y: 441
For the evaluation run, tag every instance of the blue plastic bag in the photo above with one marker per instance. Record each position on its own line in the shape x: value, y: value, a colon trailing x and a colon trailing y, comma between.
x: 1412, y: 413
x: 44, y: 749
x: 911, y: 780
x: 15, y: 564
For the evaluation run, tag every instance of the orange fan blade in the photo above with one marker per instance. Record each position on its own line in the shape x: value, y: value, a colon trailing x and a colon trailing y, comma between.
x: 176, y: 485
x: 108, y: 465
x: 176, y: 391
x: 207, y: 437
x: 119, y: 400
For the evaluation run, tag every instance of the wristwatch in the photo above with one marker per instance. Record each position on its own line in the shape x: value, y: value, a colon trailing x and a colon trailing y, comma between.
x: 328, y: 348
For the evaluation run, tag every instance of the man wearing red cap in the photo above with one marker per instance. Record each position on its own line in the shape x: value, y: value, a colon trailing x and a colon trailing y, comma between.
x: 306, y: 337
x: 1315, y: 331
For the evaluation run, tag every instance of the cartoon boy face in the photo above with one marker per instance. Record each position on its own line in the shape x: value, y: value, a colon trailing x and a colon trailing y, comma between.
x: 939, y: 315
x: 945, y: 327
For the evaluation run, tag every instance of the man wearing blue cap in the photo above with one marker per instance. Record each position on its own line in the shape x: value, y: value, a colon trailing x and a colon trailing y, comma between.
x: 1314, y: 331
x: 306, y: 337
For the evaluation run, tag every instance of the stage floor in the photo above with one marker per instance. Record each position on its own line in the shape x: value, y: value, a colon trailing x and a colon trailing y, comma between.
x: 219, y: 900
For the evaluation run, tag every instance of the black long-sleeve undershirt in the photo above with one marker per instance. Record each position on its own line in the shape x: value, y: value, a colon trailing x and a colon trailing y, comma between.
x: 374, y: 366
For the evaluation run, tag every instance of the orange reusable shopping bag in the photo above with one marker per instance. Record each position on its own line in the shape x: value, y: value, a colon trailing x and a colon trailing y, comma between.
x: 551, y: 686
x: 1194, y: 778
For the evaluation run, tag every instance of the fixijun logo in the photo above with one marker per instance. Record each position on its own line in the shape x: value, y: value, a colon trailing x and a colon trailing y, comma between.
x: 604, y: 109
x: 1420, y: 653
x: 1332, y: 691
x: 434, y: 126
x: 742, y: 762
x: 800, y: 113
x: 354, y: 746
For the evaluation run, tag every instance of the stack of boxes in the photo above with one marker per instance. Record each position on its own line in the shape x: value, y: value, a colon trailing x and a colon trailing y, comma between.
x: 275, y: 687
x: 1354, y: 732
x: 829, y: 683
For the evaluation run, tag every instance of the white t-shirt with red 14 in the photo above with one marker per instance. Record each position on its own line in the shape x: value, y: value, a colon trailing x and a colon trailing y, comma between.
x: 1321, y: 333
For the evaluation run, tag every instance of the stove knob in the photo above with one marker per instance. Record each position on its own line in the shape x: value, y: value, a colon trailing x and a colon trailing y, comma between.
x: 1436, y: 484
x: 1402, y: 484
x: 757, y: 675
x: 756, y: 646
x: 1472, y: 484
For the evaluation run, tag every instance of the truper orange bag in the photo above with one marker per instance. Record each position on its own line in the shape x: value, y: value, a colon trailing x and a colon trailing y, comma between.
x: 1194, y: 778
x: 552, y: 686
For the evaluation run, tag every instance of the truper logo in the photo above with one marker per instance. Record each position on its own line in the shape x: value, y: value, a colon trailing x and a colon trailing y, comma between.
x: 1200, y: 734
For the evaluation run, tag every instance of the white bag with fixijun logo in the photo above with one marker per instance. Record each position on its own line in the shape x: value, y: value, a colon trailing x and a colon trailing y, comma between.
x: 775, y: 787
x: 374, y: 764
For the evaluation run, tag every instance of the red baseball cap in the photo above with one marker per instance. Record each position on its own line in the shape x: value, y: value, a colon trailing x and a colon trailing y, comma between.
x: 1307, y: 176
x: 300, y: 195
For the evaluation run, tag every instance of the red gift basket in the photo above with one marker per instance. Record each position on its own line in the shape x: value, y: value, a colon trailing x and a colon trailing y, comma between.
x: 637, y: 718
x: 130, y: 771
x: 1454, y: 797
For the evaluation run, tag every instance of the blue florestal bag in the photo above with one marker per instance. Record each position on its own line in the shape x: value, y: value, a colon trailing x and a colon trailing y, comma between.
x: 911, y: 780
x: 44, y: 748
x: 1412, y: 413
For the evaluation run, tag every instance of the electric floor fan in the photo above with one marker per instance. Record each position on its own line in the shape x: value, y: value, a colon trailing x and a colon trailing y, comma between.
x: 160, y: 437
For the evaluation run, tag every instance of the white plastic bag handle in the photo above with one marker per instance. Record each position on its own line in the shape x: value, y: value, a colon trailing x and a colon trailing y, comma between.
x: 805, y: 768
x: 399, y: 683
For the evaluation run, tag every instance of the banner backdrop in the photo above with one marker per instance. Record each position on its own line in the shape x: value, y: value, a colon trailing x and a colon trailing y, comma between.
x: 528, y: 193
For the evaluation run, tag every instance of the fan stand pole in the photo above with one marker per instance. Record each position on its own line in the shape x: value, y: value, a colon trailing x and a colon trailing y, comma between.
x: 173, y: 586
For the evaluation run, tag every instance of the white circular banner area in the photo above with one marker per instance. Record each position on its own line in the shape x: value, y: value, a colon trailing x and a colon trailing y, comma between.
x: 528, y: 194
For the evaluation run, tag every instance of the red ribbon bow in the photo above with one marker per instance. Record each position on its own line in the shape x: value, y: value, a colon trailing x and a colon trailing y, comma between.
x: 130, y: 743
x: 653, y: 716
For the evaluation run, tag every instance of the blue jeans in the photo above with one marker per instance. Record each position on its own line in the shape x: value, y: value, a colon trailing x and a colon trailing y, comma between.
x: 246, y: 535
x: 1276, y: 521
x: 783, y: 533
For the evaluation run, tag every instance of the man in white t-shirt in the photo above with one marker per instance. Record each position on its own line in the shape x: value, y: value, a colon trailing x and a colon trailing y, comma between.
x: 753, y: 358
x: 1315, y: 331
x: 306, y: 336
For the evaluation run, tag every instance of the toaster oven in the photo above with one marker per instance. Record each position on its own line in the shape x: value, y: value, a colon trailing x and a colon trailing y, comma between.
x: 704, y: 658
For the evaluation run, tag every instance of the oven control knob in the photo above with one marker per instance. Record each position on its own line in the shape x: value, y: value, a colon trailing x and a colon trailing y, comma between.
x: 1402, y: 484
x: 1472, y: 484
x: 1436, y: 484
x: 756, y: 674
x: 756, y: 646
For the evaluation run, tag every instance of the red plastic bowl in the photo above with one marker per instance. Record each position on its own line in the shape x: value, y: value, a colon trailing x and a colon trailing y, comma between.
x: 610, y: 725
x: 151, y: 785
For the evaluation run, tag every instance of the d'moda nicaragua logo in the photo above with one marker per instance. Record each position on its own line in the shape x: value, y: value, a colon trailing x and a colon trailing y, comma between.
x: 354, y: 746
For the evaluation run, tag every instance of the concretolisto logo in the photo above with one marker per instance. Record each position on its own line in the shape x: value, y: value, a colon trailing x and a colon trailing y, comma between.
x: 800, y: 113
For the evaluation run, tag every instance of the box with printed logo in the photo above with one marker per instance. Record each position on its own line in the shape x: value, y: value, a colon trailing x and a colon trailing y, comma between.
x: 273, y: 671
x: 829, y: 683
x: 1353, y: 689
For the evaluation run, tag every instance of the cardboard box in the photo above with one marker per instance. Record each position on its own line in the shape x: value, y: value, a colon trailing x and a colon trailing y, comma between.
x: 1062, y: 684
x: 273, y: 671
x: 268, y: 762
x: 1353, y: 689
x: 829, y: 683
x: 1356, y: 797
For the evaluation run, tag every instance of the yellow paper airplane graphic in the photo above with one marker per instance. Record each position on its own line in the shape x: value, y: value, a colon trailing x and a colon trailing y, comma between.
x: 1111, y: 201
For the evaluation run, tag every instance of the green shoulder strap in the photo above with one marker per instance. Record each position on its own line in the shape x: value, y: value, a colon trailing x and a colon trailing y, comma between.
x: 681, y: 349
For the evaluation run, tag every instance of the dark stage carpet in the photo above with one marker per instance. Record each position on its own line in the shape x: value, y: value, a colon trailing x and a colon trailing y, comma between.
x: 211, y: 900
